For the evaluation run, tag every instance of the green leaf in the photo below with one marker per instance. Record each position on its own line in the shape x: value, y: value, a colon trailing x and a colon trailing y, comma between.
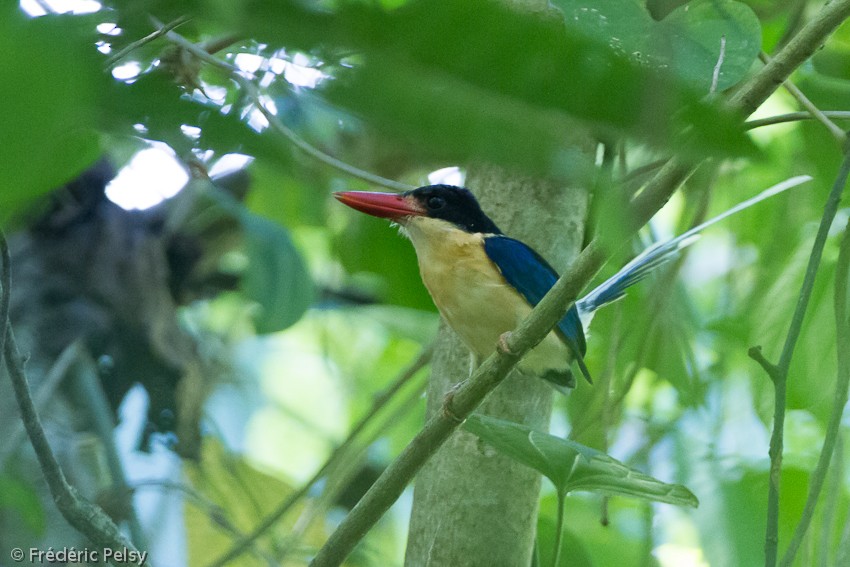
x: 16, y: 495
x: 695, y: 32
x: 477, y: 79
x: 50, y: 79
x: 572, y: 466
x: 457, y: 121
x: 276, y: 276
x: 234, y: 495
x: 368, y: 245
x: 687, y: 41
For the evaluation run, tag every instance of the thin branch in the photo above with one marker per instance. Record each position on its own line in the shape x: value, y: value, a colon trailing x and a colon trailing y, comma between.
x: 770, y: 369
x: 804, y: 101
x: 794, y: 117
x: 378, y: 404
x: 490, y: 374
x: 214, y: 512
x: 48, y: 386
x: 147, y: 39
x: 834, y: 486
x: 337, y: 481
x: 92, y: 400
x: 275, y: 123
x: 750, y: 95
x: 555, y: 304
x: 780, y: 379
x: 216, y: 44
x: 85, y: 517
x: 839, y: 400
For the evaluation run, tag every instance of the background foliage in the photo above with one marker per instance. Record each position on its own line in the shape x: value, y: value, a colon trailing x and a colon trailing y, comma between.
x: 329, y: 310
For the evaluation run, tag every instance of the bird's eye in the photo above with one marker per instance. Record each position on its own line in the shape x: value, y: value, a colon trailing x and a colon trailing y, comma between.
x: 436, y: 203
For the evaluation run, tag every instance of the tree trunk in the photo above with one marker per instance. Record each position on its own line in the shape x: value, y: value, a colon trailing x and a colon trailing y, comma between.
x: 473, y: 506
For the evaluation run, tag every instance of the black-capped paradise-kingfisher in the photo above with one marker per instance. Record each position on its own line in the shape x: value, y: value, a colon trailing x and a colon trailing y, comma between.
x: 485, y: 283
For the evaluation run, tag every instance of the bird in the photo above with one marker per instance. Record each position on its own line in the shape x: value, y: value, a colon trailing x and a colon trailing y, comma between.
x: 484, y: 283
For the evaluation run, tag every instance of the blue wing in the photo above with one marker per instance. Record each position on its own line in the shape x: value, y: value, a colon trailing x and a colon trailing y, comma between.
x: 527, y: 272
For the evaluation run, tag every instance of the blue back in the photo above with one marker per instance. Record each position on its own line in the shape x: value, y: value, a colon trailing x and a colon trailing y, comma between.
x: 526, y: 271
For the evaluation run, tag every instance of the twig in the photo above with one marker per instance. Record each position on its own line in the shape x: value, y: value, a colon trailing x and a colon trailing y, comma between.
x: 275, y: 123
x: 842, y: 381
x: 215, y: 512
x: 147, y: 39
x: 793, y: 117
x: 559, y: 529
x: 770, y: 369
x: 490, y: 374
x: 45, y: 391
x: 216, y: 44
x: 715, y: 75
x: 91, y: 397
x: 749, y: 96
x: 804, y: 101
x: 338, y: 481
x: 834, y: 486
x: 380, y: 401
x: 556, y: 302
x: 780, y: 378
x: 85, y: 517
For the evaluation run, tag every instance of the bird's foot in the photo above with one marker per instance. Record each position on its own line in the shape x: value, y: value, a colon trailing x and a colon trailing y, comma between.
x: 448, y: 409
x: 502, y: 345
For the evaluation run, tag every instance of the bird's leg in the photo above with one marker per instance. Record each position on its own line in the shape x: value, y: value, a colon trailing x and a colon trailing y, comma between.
x: 502, y: 345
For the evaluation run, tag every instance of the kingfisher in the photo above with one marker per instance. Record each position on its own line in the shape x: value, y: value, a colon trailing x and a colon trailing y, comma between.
x: 485, y: 283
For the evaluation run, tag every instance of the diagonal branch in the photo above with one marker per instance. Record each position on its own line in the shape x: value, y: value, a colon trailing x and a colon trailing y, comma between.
x: 749, y: 96
x: 842, y: 382
x: 243, y: 544
x: 274, y: 122
x: 490, y: 374
x: 147, y: 39
x: 816, y: 112
x: 779, y: 373
x: 87, y: 518
x: 555, y: 304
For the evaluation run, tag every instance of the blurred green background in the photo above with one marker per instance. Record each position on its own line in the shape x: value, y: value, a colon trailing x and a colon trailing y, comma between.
x: 301, y: 313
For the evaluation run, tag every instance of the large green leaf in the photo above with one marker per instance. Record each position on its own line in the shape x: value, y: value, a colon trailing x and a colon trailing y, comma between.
x: 572, y: 466
x: 50, y: 79
x: 276, y: 276
x: 477, y: 79
x: 687, y: 42
x: 367, y: 245
x: 696, y: 32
